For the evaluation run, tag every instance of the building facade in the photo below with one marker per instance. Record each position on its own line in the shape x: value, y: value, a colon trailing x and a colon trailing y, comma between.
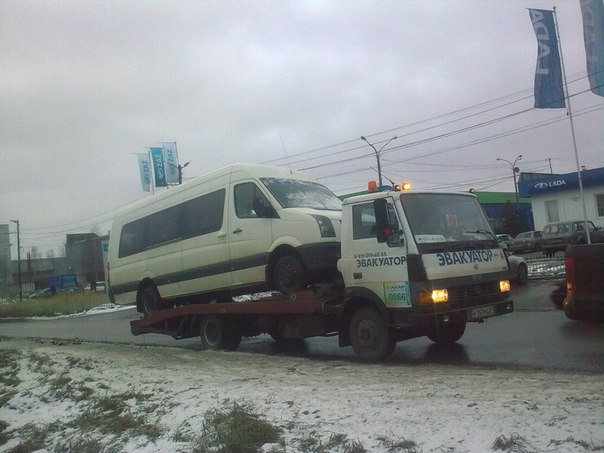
x: 556, y: 197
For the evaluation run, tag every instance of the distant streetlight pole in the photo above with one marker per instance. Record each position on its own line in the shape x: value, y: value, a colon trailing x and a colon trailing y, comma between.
x: 377, y: 155
x: 19, y: 260
x: 180, y: 167
x: 514, y: 171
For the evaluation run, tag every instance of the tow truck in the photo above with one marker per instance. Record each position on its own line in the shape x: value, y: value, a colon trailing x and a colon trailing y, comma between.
x: 412, y: 264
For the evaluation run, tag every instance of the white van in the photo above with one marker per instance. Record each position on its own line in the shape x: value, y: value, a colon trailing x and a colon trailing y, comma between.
x: 242, y: 228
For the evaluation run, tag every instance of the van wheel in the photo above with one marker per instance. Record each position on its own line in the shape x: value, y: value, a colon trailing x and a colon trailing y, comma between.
x: 217, y: 333
x: 447, y: 334
x: 369, y: 335
x: 151, y: 301
x: 288, y: 274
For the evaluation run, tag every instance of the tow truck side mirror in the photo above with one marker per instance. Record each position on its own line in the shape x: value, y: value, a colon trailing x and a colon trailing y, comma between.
x: 385, y: 231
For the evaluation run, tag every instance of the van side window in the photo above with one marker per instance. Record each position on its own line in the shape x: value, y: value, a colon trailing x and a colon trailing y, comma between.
x: 132, y: 239
x: 203, y: 215
x: 163, y: 226
x: 250, y: 202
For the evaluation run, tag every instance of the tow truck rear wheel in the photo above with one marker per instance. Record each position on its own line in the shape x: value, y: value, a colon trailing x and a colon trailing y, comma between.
x: 218, y: 333
x: 369, y: 335
x: 447, y: 334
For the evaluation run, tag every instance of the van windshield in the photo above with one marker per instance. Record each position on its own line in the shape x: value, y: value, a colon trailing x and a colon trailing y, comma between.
x: 294, y: 193
x: 442, y: 222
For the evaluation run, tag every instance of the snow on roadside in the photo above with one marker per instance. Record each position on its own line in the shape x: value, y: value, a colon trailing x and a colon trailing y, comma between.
x: 441, y: 408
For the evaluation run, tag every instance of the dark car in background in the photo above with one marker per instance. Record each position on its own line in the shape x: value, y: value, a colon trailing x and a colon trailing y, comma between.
x: 558, y: 235
x: 528, y: 241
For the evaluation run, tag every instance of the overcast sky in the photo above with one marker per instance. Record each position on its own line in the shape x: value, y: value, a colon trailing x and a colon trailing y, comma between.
x: 85, y: 85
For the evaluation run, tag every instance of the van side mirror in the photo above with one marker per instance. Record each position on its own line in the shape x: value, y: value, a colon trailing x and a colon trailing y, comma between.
x: 385, y: 229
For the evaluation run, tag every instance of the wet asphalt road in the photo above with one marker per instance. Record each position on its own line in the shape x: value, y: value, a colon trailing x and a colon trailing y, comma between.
x: 535, y: 335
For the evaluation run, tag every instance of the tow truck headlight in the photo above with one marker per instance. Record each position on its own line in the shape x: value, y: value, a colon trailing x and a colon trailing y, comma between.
x: 436, y: 296
x: 325, y: 226
x: 504, y: 286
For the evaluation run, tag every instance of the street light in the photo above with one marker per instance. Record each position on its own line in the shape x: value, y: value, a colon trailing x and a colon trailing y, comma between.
x: 179, y: 168
x: 377, y: 155
x: 19, y: 260
x: 514, y: 171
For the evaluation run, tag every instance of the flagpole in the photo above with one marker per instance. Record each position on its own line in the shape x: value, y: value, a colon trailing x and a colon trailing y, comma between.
x: 151, y: 172
x: 569, y: 111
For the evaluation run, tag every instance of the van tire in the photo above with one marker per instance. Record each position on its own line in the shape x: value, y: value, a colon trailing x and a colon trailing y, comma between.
x: 151, y: 301
x: 219, y: 333
x: 447, y: 334
x: 288, y: 274
x: 370, y: 336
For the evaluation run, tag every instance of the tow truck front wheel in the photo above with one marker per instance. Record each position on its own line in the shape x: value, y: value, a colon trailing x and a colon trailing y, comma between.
x: 218, y: 333
x: 369, y: 335
x: 448, y: 333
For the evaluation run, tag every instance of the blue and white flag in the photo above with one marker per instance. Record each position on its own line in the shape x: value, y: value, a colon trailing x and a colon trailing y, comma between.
x: 171, y: 161
x: 549, y: 90
x: 157, y: 155
x: 593, y: 35
x: 144, y: 167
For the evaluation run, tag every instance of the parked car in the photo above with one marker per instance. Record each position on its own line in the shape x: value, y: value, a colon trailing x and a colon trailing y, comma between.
x: 558, y: 235
x: 528, y: 241
x: 504, y: 239
x: 518, y: 269
x: 42, y: 293
x: 100, y: 287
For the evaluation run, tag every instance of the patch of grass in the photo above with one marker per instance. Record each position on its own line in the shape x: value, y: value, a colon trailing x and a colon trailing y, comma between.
x: 237, y: 428
x: 61, y: 304
x: 112, y: 415
x: 312, y: 443
x: 400, y: 445
x: 34, y: 438
x: 3, y: 434
x: 515, y: 443
x: 588, y: 446
x: 9, y: 368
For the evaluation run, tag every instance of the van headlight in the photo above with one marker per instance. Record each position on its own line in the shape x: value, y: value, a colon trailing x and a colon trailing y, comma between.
x: 325, y: 226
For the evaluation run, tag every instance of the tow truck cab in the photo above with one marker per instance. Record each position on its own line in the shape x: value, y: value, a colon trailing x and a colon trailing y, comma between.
x: 427, y: 262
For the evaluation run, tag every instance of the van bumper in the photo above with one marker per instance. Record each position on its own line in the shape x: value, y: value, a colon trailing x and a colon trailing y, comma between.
x: 320, y: 256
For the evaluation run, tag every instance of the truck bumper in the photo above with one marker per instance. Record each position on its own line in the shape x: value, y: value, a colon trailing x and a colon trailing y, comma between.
x: 584, y: 308
x: 405, y: 318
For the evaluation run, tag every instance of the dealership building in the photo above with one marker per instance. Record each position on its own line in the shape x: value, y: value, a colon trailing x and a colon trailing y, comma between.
x: 556, y: 197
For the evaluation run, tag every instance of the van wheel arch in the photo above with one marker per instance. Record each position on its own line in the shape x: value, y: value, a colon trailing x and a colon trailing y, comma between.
x: 145, y: 285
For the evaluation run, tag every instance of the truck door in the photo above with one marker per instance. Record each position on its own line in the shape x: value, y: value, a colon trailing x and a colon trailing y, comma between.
x: 379, y: 258
x: 250, y: 231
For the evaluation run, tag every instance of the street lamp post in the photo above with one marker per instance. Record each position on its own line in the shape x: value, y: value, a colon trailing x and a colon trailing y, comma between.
x: 180, y: 167
x: 377, y: 155
x: 514, y: 171
x: 19, y: 260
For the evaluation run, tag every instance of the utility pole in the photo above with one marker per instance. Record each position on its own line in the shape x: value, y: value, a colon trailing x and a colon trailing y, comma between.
x: 514, y: 171
x: 19, y: 260
x: 377, y: 156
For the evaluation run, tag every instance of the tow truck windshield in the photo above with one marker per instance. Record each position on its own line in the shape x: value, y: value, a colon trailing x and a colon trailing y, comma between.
x: 444, y: 222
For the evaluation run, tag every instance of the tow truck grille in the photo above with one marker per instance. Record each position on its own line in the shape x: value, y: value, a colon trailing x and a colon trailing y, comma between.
x: 469, y: 295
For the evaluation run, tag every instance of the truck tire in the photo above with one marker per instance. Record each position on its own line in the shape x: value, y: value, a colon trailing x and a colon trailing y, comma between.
x: 369, y: 334
x: 522, y: 274
x: 151, y: 301
x: 288, y: 274
x: 218, y: 333
x: 447, y: 334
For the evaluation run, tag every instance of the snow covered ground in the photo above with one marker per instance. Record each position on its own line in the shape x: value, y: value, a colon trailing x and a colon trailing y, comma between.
x: 437, y: 408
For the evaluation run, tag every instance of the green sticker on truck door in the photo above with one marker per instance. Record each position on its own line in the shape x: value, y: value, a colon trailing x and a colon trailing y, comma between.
x: 397, y: 293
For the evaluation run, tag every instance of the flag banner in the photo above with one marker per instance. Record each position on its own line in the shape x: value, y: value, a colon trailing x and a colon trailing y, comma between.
x: 593, y: 35
x: 144, y: 167
x: 549, y: 90
x: 171, y: 161
x: 157, y: 155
